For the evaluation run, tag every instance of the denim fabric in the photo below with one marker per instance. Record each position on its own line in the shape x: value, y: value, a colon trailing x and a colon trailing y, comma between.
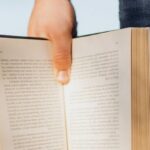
x: 134, y: 13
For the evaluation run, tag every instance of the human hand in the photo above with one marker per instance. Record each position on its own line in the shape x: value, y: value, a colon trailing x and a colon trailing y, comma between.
x: 54, y: 20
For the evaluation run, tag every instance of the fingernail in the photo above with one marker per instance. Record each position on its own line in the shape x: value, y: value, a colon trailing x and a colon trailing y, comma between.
x: 63, y: 77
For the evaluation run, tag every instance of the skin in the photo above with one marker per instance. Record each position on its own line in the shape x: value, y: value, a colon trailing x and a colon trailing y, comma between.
x: 54, y: 20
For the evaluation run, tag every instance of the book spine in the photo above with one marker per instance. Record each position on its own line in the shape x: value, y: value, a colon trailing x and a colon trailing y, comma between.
x: 140, y: 89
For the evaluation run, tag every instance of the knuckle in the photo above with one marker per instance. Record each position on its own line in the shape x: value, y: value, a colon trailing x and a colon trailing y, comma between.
x: 62, y: 60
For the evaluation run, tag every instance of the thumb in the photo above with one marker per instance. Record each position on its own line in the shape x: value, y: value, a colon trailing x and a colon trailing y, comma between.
x: 61, y: 54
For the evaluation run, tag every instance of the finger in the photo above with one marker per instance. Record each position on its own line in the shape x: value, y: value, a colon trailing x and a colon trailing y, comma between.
x: 61, y: 52
x: 62, y: 57
x: 33, y: 33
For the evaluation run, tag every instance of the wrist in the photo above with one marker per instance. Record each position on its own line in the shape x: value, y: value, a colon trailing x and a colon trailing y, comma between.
x: 37, y: 1
x: 46, y: 2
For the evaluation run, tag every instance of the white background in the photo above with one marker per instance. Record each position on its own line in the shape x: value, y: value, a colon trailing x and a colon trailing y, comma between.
x: 92, y: 16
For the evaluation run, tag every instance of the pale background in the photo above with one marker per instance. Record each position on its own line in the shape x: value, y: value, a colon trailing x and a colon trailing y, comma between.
x: 92, y: 16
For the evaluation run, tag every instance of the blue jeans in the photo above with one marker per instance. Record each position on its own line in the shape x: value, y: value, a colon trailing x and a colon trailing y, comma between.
x: 134, y: 13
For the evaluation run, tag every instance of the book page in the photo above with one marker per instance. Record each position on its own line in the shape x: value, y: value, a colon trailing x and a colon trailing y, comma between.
x: 31, y: 101
x: 98, y: 98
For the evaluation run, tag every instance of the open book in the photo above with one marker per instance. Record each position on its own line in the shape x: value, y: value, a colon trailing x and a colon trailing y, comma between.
x: 106, y: 105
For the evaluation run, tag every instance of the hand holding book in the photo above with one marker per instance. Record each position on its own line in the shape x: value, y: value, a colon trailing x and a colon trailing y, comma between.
x: 105, y: 106
x: 54, y: 20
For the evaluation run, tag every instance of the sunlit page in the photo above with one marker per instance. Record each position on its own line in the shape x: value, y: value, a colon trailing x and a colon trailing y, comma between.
x: 98, y: 99
x: 31, y: 101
